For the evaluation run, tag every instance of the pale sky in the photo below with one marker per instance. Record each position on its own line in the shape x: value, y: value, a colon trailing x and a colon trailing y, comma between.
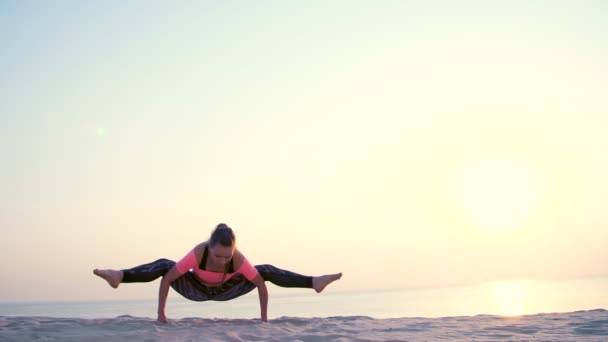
x: 406, y: 144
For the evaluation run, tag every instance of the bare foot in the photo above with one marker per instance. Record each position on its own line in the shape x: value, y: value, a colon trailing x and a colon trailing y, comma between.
x: 113, y: 277
x: 319, y: 283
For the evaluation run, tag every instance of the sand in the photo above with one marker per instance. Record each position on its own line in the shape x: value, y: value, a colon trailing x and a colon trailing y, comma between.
x: 575, y: 326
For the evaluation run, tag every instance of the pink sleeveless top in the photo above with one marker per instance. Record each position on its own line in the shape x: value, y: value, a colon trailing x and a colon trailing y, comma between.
x: 189, y: 262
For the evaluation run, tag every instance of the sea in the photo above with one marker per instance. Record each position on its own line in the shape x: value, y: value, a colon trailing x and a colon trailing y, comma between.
x: 502, y: 298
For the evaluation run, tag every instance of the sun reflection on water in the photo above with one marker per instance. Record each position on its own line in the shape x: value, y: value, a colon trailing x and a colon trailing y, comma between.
x: 509, y: 297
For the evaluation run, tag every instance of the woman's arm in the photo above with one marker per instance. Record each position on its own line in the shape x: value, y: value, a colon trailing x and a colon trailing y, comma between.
x: 245, y: 268
x: 263, y: 293
x: 191, y: 260
x: 164, y: 291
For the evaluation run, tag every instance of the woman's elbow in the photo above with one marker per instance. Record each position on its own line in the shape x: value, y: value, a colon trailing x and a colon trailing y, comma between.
x: 171, y: 276
x: 259, y: 281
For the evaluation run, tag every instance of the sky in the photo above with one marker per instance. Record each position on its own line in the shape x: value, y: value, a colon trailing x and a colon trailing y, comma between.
x: 403, y: 143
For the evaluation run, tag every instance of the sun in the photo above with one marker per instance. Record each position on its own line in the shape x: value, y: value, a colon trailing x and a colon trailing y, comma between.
x: 497, y: 194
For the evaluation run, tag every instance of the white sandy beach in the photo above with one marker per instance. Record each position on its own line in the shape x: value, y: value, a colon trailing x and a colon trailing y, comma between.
x: 575, y: 326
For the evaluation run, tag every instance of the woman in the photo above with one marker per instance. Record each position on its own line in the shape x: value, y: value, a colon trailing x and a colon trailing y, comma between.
x: 214, y: 270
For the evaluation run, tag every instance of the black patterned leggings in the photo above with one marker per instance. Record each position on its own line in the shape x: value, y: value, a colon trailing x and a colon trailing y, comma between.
x: 191, y: 288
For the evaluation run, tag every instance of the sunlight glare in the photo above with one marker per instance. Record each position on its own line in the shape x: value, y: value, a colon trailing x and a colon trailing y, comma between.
x: 509, y: 297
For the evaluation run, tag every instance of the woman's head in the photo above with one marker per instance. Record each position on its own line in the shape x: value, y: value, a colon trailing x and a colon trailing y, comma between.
x: 222, y: 235
x: 222, y: 244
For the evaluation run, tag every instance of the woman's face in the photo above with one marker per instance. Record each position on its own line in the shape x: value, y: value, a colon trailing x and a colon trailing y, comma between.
x: 220, y: 255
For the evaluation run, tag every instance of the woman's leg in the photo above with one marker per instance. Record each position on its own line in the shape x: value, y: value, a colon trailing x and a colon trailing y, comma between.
x: 187, y: 285
x: 238, y: 285
x: 147, y: 272
x: 283, y: 278
x: 140, y: 274
x: 286, y: 278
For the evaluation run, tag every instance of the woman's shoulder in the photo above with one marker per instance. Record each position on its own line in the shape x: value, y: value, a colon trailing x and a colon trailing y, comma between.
x: 238, y: 259
x: 200, y: 248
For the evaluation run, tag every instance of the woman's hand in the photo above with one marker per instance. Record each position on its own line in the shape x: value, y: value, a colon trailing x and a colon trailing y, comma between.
x: 162, y: 318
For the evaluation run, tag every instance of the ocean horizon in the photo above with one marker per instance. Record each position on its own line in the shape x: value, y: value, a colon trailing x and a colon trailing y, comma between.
x: 502, y: 298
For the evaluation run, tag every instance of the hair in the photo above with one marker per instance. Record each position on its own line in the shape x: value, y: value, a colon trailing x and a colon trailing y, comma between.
x: 223, y: 235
